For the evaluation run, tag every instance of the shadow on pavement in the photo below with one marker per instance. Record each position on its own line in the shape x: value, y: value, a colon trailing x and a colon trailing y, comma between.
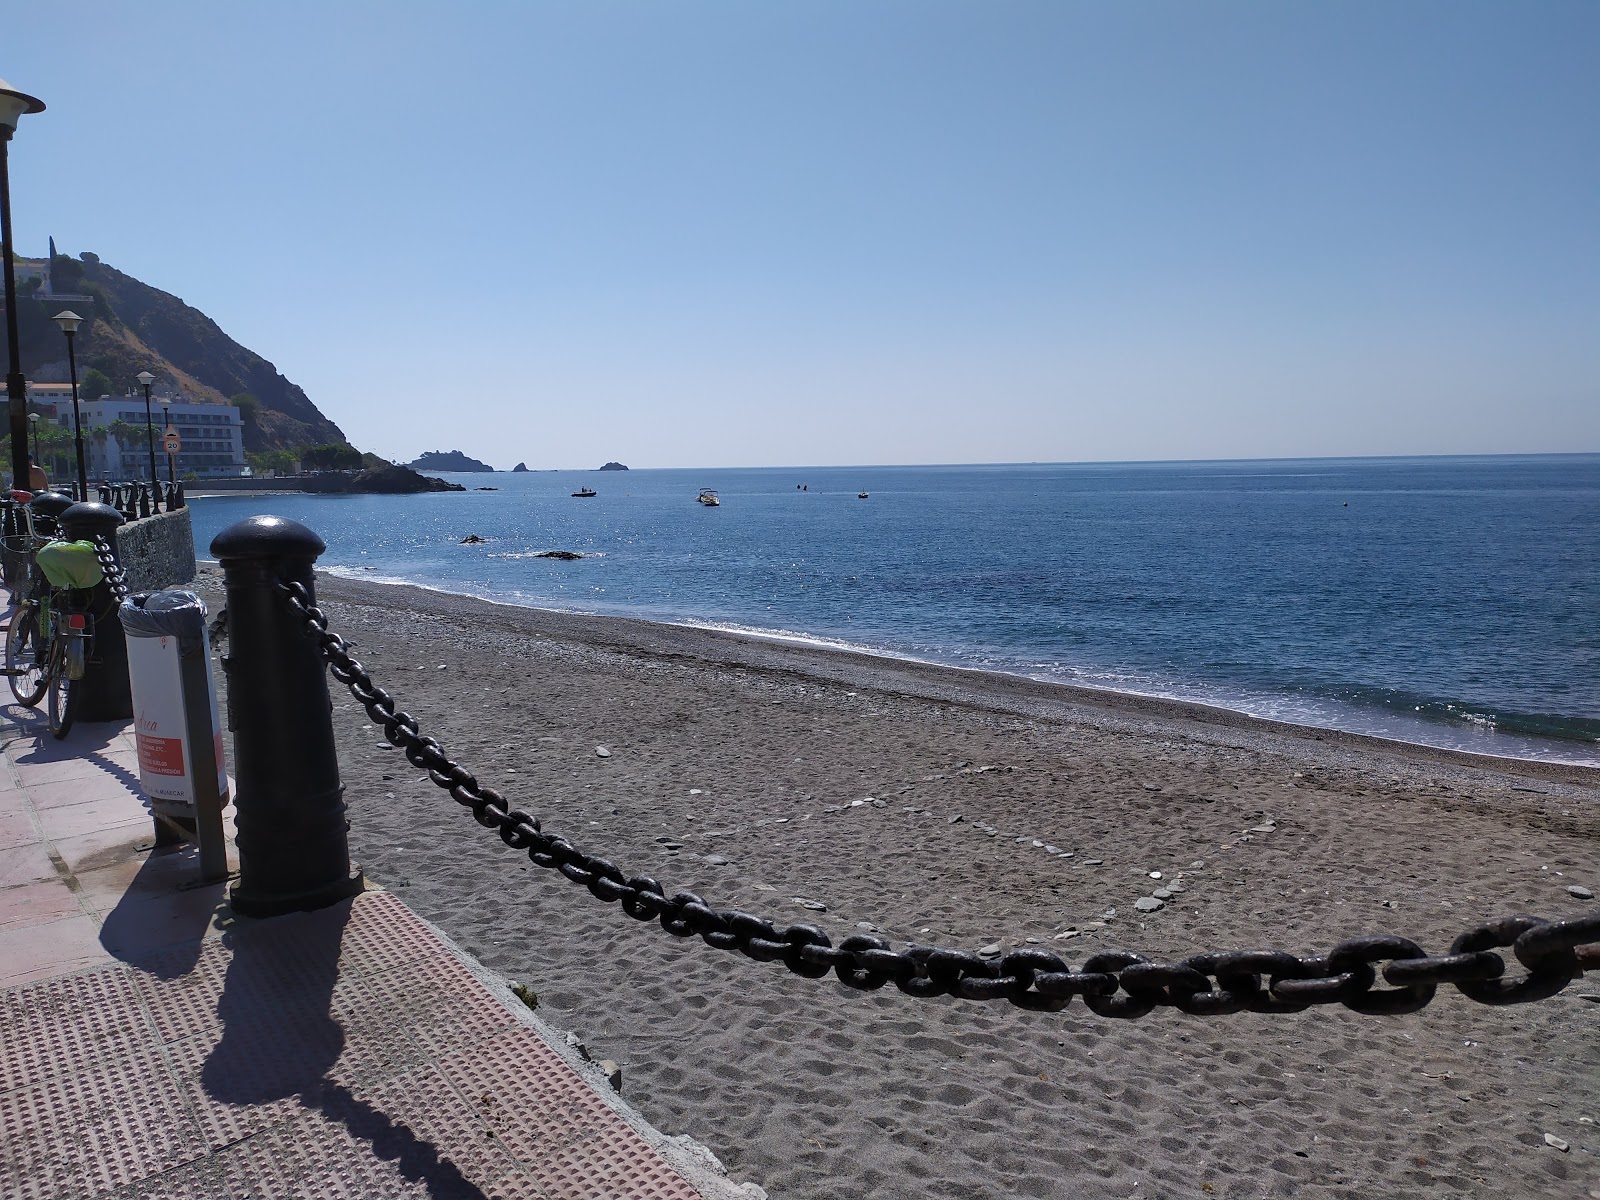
x: 281, y: 1039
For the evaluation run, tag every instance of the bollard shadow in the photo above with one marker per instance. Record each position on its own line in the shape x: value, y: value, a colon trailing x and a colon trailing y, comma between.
x: 159, y: 922
x: 281, y: 1040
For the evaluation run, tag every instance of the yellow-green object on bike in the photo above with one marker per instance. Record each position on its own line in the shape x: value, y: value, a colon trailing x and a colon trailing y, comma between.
x: 70, y: 564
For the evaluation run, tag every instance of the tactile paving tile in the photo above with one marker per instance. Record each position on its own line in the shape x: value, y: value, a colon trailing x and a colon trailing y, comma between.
x: 181, y: 989
x: 198, y: 1180
x: 615, y: 1163
x: 538, y: 1103
x: 108, y: 1126
x: 58, y: 1026
x: 447, y: 1011
x: 314, y: 1158
x: 384, y: 933
x: 421, y: 1105
x: 254, y: 1078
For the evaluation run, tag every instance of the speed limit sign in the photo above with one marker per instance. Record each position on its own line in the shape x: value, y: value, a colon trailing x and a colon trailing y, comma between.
x: 172, y: 443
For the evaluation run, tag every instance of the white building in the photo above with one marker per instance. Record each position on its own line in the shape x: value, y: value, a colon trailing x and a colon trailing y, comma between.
x: 212, y: 436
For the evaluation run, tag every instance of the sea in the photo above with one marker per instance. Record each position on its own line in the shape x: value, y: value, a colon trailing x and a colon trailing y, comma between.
x: 1452, y: 602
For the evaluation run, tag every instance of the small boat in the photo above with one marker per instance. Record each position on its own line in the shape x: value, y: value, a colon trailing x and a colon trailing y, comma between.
x: 588, y: 491
x: 861, y: 495
x: 708, y: 497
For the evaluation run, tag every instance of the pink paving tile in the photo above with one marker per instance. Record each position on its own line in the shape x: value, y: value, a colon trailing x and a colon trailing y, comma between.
x: 27, y: 863
x: 40, y: 951
x: 37, y: 904
x: 91, y: 816
x: 174, y: 873
x: 83, y: 790
x: 106, y: 847
x: 13, y: 801
x: 17, y: 829
x: 51, y: 764
x: 64, y: 1025
x: 116, y: 1122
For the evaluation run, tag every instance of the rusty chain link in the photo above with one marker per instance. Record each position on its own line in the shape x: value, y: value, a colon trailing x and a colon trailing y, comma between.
x: 115, y: 575
x: 1113, y: 983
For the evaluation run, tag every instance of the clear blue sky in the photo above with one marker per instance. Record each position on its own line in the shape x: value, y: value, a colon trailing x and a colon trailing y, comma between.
x: 696, y: 233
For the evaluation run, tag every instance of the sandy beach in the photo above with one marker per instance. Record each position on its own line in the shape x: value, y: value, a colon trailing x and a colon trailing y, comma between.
x: 943, y: 807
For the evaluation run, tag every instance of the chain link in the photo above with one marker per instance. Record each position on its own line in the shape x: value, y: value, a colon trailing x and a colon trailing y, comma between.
x: 115, y: 575
x: 1113, y: 983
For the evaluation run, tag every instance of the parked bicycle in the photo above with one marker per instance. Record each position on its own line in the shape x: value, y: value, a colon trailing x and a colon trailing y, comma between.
x: 50, y: 640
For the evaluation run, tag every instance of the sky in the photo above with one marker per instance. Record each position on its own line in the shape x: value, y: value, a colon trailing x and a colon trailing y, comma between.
x: 750, y: 233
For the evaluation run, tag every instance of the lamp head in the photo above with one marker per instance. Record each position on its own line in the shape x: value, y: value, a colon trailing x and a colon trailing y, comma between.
x: 69, y: 321
x: 13, y: 104
x: 166, y: 403
x: 145, y: 378
x: 33, y: 418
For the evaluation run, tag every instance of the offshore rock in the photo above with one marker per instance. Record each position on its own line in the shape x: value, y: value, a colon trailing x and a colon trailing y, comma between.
x: 613, y: 466
x: 520, y: 467
x: 448, y: 460
x: 392, y: 480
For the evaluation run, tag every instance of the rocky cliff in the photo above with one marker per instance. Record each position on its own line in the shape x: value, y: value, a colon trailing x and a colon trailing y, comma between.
x: 130, y: 326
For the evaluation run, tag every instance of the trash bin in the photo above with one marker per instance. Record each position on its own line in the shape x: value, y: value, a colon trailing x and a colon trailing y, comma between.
x: 175, y: 721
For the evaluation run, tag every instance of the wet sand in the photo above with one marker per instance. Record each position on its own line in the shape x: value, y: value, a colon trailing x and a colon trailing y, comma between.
x: 998, y: 812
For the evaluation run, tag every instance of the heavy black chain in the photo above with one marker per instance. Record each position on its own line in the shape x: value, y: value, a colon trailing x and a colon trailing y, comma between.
x: 115, y: 575
x: 1114, y: 983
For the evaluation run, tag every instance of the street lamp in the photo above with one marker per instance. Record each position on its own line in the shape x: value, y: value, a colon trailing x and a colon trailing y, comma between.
x: 33, y: 424
x: 13, y: 104
x: 147, y: 379
x: 69, y: 322
x: 166, y: 424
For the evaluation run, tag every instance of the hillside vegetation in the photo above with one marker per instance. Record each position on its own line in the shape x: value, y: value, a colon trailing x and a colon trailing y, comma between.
x: 130, y: 327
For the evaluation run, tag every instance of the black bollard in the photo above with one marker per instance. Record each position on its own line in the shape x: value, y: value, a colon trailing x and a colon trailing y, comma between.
x: 181, y: 501
x: 47, y: 509
x: 144, y: 500
x: 107, y: 694
x: 288, y: 801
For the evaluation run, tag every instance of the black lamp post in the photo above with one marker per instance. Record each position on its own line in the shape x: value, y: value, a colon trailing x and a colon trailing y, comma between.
x: 147, y: 379
x: 33, y: 424
x: 69, y: 322
x: 13, y: 104
x: 166, y: 424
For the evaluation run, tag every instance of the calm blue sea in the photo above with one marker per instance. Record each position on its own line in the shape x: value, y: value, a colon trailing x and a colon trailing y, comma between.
x: 1450, y: 601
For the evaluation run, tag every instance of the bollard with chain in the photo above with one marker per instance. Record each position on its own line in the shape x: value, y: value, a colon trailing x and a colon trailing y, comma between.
x: 288, y: 800
x: 107, y: 694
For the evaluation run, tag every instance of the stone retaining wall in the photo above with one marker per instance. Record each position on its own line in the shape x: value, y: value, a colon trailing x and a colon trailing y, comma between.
x: 157, y: 551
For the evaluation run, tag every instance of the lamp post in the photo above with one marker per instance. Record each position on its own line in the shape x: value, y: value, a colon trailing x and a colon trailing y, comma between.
x: 69, y: 322
x: 33, y: 424
x: 13, y: 104
x: 166, y: 424
x: 145, y: 378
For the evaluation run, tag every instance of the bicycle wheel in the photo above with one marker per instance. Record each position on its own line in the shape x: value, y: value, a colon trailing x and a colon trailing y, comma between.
x: 22, y: 658
x: 64, y: 693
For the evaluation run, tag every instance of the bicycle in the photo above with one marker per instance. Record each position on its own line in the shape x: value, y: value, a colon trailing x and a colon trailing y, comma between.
x: 27, y: 633
x: 51, y: 639
x: 71, y: 645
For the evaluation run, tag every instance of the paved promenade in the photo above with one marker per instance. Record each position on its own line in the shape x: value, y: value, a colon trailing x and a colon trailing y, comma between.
x: 156, y: 1045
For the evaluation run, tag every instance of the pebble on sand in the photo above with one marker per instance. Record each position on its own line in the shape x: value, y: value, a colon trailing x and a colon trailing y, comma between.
x: 602, y: 752
x: 1581, y: 892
